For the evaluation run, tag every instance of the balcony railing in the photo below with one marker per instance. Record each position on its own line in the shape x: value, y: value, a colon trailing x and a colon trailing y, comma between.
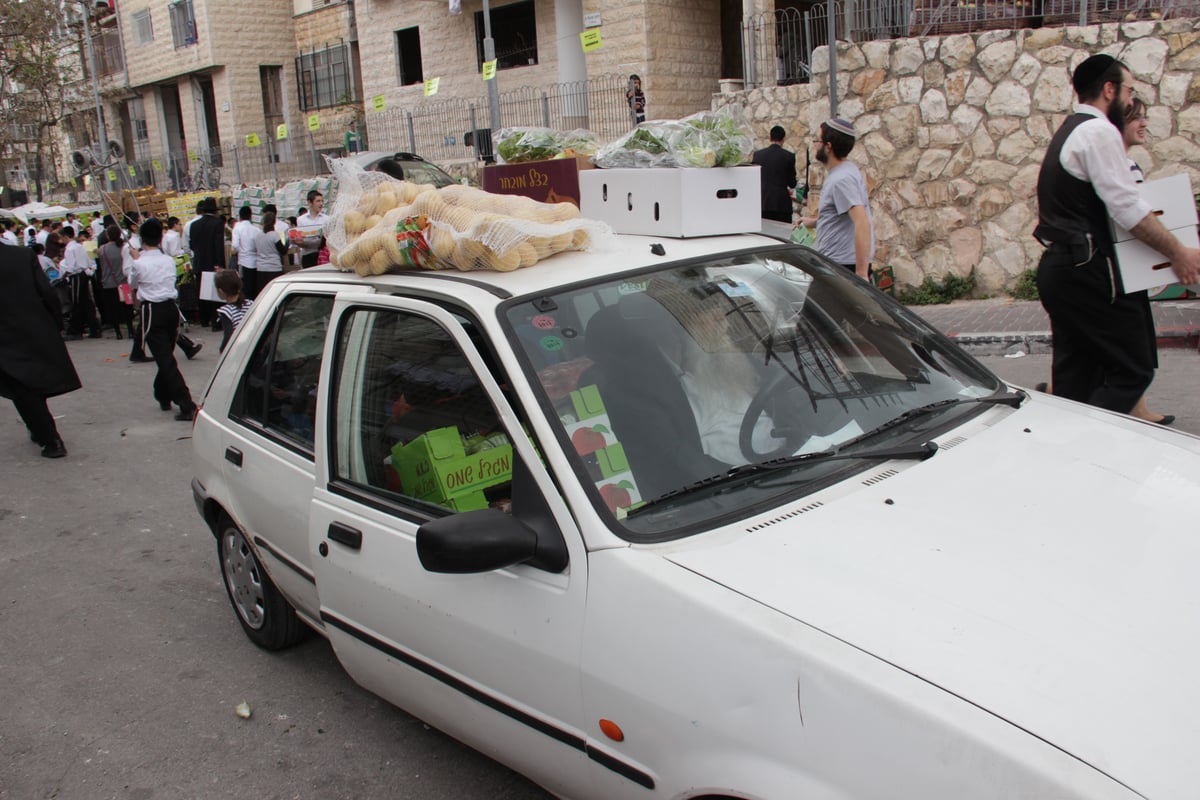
x: 106, y: 47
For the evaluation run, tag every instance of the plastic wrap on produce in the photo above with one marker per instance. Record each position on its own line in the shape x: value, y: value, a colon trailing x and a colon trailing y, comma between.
x: 381, y: 225
x: 706, y: 139
x: 518, y: 145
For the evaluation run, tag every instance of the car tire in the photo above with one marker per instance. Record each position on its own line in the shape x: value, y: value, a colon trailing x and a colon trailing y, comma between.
x: 266, y: 617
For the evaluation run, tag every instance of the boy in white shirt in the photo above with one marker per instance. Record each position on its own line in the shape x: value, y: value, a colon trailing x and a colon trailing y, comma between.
x: 153, y: 275
x: 78, y: 269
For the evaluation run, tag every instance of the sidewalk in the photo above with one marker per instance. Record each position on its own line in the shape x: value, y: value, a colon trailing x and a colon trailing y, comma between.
x: 998, y: 324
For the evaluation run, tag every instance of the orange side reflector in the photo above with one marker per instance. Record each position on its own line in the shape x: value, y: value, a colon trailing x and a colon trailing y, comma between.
x: 612, y: 730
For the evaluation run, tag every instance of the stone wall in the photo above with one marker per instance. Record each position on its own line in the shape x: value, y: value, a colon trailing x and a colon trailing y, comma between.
x: 952, y: 131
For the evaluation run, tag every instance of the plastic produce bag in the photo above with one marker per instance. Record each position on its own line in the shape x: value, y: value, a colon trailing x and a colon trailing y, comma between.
x: 705, y: 139
x: 517, y: 145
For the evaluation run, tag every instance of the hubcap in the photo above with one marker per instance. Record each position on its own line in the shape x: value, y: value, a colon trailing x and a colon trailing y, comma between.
x: 243, y: 578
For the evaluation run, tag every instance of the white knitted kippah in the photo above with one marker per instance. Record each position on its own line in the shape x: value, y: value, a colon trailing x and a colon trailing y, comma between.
x: 841, y: 126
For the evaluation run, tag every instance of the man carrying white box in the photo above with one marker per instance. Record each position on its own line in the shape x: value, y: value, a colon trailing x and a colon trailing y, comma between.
x: 1102, y: 352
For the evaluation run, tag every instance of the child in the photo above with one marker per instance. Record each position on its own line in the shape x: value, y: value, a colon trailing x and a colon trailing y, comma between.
x: 230, y: 315
x: 153, y: 275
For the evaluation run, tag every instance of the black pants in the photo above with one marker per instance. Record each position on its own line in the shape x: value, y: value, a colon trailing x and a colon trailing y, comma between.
x: 83, y: 309
x: 1104, y: 349
x: 250, y: 282
x: 309, y: 259
x: 116, y: 312
x: 33, y: 410
x: 160, y: 330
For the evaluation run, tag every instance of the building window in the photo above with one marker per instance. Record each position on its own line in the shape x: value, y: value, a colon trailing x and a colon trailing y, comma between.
x: 137, y: 119
x: 143, y: 26
x: 408, y: 50
x: 323, y: 78
x: 183, y: 23
x: 514, y: 29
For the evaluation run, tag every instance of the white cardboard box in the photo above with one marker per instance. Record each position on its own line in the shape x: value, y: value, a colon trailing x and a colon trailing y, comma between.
x: 1172, y: 201
x: 674, y: 202
x: 1143, y: 267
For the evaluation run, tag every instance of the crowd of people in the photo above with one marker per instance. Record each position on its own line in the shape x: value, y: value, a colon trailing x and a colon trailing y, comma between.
x: 142, y: 277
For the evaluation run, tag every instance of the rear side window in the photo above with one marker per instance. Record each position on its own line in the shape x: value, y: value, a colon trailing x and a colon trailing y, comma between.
x: 413, y: 423
x: 278, y: 391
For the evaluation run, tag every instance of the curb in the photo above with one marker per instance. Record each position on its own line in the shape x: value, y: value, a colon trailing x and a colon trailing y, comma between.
x: 1041, y: 343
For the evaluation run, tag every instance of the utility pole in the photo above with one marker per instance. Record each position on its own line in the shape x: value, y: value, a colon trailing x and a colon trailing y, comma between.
x: 489, y: 53
x: 95, y: 79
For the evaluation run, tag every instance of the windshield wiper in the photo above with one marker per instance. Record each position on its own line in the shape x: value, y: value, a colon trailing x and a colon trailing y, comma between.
x: 915, y: 452
x: 1013, y: 399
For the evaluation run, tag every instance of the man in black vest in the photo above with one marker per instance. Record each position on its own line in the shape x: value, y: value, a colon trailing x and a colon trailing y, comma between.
x: 1103, y: 352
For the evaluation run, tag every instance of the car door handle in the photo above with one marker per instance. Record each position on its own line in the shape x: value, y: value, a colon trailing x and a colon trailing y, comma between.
x: 344, y: 534
x: 233, y: 456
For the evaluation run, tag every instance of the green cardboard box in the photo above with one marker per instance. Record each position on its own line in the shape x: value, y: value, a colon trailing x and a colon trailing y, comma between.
x: 436, y: 467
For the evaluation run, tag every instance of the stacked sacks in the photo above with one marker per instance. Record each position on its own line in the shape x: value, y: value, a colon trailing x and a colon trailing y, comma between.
x: 395, y: 225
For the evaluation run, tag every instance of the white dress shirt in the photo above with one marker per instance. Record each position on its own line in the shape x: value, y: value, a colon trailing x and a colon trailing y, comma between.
x: 153, y: 275
x: 75, y: 260
x: 172, y: 243
x: 243, y: 243
x: 1095, y: 153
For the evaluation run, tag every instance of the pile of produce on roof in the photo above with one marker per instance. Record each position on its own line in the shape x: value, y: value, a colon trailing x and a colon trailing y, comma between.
x: 380, y: 224
x: 518, y: 145
x: 706, y: 139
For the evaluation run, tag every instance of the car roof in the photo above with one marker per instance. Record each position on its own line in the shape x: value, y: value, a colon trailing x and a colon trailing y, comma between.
x: 610, y: 256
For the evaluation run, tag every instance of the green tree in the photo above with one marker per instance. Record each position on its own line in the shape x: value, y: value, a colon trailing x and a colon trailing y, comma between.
x: 39, y: 70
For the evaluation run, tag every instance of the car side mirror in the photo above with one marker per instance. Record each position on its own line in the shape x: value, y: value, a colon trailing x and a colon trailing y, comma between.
x: 475, y: 541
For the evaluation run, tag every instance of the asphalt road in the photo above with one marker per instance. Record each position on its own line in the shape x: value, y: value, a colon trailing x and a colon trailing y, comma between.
x: 121, y: 660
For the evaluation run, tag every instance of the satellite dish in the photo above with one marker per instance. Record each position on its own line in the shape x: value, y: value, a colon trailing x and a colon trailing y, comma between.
x: 115, y: 150
x: 80, y: 159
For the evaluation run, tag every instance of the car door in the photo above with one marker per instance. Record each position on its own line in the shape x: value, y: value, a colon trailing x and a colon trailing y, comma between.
x: 416, y: 428
x: 268, y: 453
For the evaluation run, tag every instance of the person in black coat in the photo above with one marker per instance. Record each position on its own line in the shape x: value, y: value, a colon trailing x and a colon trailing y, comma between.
x: 34, y: 363
x: 206, y: 240
x: 778, y: 177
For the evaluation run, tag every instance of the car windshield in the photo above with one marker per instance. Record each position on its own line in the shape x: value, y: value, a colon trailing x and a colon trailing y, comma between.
x: 424, y: 172
x: 665, y: 384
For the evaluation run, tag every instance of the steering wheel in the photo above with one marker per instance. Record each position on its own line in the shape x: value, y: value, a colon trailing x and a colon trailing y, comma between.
x: 783, y: 391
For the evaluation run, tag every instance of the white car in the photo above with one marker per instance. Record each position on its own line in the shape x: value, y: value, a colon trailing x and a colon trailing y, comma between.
x: 708, y: 518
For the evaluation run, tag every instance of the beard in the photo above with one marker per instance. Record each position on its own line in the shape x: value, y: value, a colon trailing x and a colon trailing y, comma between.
x: 1116, y: 114
x: 823, y: 155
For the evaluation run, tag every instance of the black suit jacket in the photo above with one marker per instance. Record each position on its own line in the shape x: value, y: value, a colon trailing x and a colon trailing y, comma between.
x: 206, y: 237
x: 778, y: 177
x: 32, y: 352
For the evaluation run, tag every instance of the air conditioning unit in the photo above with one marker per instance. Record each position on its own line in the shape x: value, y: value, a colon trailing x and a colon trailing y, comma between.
x: 115, y: 150
x: 82, y: 159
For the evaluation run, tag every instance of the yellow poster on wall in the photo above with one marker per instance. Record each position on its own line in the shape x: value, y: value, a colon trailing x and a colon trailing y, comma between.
x: 281, y: 132
x: 314, y: 122
x: 252, y: 140
x: 431, y: 86
x: 590, y: 39
x: 377, y: 102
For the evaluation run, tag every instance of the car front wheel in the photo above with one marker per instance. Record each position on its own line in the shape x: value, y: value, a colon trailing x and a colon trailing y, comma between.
x: 266, y: 617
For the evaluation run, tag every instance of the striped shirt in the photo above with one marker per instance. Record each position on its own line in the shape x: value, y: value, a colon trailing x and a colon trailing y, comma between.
x: 234, y: 314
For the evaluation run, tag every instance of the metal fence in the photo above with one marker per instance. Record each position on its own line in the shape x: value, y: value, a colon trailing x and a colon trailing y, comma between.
x: 778, y: 45
x: 443, y: 130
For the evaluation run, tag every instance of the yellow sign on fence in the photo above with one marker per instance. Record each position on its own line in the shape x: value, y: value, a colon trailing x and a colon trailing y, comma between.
x: 281, y: 131
x: 377, y: 102
x: 156, y: 163
x: 314, y: 122
x: 252, y: 140
x: 431, y: 86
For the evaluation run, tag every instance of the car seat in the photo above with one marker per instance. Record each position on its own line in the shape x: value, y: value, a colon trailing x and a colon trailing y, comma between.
x: 640, y: 385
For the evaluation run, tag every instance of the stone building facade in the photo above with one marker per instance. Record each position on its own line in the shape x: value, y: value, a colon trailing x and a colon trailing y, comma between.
x: 952, y: 131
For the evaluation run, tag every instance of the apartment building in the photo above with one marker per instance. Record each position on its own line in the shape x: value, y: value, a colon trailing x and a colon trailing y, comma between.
x: 190, y: 80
